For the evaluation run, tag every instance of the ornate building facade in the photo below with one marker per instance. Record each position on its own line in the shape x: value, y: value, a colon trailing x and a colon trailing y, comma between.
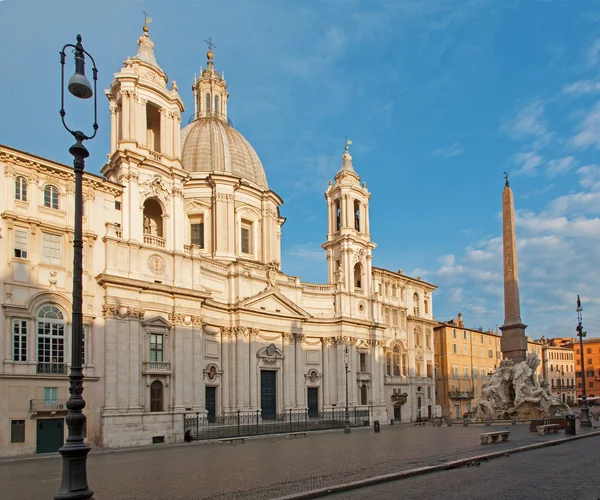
x: 186, y: 309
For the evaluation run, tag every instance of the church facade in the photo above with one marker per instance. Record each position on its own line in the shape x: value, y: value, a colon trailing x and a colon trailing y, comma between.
x: 186, y: 309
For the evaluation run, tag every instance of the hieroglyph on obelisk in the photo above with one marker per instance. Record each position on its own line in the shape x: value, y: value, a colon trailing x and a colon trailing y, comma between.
x: 514, y: 341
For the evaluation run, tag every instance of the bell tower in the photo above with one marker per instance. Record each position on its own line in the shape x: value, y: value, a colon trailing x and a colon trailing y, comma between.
x: 145, y: 148
x: 349, y: 247
x: 210, y: 90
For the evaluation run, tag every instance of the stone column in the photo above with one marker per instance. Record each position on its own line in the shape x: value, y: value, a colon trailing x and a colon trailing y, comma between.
x: 341, y: 374
x: 326, y: 342
x: 132, y: 118
x: 254, y: 405
x: 177, y: 365
x: 110, y: 331
x: 354, y: 366
x: 113, y: 126
x: 198, y: 382
x: 514, y: 342
x: 225, y: 376
x: 300, y: 380
x: 135, y: 345
x: 289, y: 385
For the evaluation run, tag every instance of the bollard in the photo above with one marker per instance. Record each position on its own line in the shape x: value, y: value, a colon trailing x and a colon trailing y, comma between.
x: 376, y: 426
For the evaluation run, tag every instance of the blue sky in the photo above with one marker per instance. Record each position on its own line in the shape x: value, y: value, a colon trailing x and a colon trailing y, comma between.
x: 439, y: 97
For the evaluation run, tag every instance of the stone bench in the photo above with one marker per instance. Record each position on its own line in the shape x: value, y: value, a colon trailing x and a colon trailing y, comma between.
x: 494, y: 436
x: 296, y: 435
x: 232, y: 440
x: 548, y: 428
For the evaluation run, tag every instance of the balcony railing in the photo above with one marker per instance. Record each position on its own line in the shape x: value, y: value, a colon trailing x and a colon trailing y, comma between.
x: 155, y: 366
x: 363, y: 377
x: 155, y: 241
x: 52, y: 368
x: 40, y: 405
x: 461, y: 395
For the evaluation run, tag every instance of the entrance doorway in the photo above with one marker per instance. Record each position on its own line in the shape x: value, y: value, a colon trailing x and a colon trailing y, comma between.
x: 398, y: 413
x: 313, y: 402
x: 50, y: 435
x: 268, y: 394
x: 457, y: 410
x: 210, y: 395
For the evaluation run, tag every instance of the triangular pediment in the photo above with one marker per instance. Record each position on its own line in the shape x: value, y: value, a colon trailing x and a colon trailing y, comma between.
x: 273, y: 302
x: 157, y: 322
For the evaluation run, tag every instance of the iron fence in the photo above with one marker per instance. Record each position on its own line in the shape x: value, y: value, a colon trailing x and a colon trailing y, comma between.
x: 254, y: 423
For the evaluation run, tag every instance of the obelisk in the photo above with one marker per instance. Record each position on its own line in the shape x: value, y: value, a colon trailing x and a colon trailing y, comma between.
x: 514, y: 341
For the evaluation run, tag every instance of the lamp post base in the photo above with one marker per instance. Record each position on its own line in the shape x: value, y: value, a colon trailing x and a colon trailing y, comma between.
x: 74, y: 481
x: 347, y: 429
x: 584, y: 419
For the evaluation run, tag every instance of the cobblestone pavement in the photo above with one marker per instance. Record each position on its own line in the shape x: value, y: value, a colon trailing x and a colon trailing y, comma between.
x: 261, y: 468
x: 566, y: 472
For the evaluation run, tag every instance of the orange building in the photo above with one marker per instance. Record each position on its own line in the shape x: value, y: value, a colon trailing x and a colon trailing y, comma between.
x: 591, y: 353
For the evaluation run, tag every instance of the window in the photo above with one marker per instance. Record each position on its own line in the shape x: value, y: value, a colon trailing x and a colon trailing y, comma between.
x: 475, y: 373
x: 402, y: 319
x: 153, y: 223
x: 21, y: 237
x: 490, y: 353
x: 428, y: 340
x: 156, y: 348
x: 454, y: 348
x: 454, y: 333
x: 426, y: 306
x: 404, y: 365
x: 455, y: 371
x: 388, y: 363
x: 465, y: 335
x: 417, y: 336
x: 589, y: 373
x: 394, y: 317
x: 152, y: 127
x: 465, y: 349
x: 418, y: 369
x: 246, y: 238
x: 217, y: 104
x: 51, y: 197
x: 589, y: 350
x: 52, y: 249
x: 551, y: 368
x: 117, y: 205
x: 20, y: 189
x: 396, y: 352
x: 465, y: 372
x: 429, y: 371
x: 416, y: 304
x: 197, y: 233
x: 357, y: 276
x: 338, y: 218
x: 386, y: 313
x: 436, y: 371
x: 50, y: 396
x: 394, y: 291
x: 19, y: 340
x: 387, y: 288
x: 51, y: 341
x: 17, y: 431
x: 363, y: 362
x: 357, y: 215
x: 207, y: 98
x: 482, y: 339
x: 363, y: 394
x: 482, y: 352
x: 156, y: 396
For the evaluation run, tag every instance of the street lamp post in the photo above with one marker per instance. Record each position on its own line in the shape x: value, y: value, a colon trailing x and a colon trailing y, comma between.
x: 584, y: 420
x: 74, y: 452
x: 347, y: 429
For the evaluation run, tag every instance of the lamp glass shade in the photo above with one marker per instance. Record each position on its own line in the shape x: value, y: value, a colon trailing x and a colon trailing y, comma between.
x: 80, y: 86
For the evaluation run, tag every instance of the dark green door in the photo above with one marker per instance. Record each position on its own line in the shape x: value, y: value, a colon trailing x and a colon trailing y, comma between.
x: 313, y: 402
x: 211, y: 403
x: 50, y: 435
x: 268, y: 394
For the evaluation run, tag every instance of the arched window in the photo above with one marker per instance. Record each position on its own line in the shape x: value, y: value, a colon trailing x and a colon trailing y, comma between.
x: 156, y: 396
x: 51, y: 197
x: 396, y: 353
x: 338, y: 220
x: 153, y: 223
x: 217, y: 109
x: 21, y: 189
x: 208, y: 104
x: 357, y: 215
x: 357, y: 276
x: 51, y: 340
x: 416, y: 304
x: 363, y: 394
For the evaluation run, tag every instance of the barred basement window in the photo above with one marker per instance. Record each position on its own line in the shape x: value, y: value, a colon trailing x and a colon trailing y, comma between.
x: 17, y: 431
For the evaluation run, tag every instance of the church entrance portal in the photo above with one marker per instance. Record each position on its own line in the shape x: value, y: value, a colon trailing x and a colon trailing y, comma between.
x: 211, y: 403
x: 268, y: 394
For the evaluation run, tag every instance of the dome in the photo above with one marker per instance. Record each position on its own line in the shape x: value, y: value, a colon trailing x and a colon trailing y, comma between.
x: 211, y: 145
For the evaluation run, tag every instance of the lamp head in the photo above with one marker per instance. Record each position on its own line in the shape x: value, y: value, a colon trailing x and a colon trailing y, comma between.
x: 579, y: 308
x: 80, y: 86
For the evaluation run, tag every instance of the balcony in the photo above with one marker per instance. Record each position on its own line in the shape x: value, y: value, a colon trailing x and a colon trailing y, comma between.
x: 157, y: 367
x: 155, y: 241
x: 363, y: 377
x: 461, y: 395
x: 52, y: 368
x: 47, y: 405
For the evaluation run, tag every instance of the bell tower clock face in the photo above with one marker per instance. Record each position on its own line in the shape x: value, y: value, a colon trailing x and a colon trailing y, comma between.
x: 156, y: 264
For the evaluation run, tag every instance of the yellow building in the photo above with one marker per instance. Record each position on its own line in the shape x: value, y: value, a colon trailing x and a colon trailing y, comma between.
x: 536, y: 346
x: 464, y: 360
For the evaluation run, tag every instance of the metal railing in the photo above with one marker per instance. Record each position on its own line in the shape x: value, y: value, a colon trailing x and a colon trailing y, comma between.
x: 255, y: 423
x: 52, y: 368
x: 47, y: 405
x: 156, y: 366
x: 210, y: 114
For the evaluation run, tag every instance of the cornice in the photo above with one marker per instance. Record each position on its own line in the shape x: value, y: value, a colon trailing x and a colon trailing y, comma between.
x: 107, y: 279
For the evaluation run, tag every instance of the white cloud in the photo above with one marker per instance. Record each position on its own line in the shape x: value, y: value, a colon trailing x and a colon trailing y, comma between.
x: 309, y: 251
x: 451, y: 151
x: 589, y: 130
x: 593, y: 53
x: 581, y: 87
x: 529, y: 123
x: 528, y: 162
x: 560, y: 166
